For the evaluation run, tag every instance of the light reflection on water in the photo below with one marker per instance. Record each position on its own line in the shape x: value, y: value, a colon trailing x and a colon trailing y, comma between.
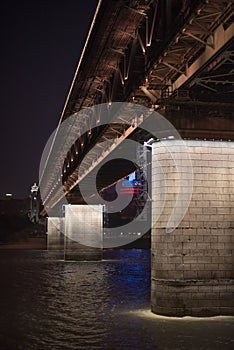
x: 47, y: 303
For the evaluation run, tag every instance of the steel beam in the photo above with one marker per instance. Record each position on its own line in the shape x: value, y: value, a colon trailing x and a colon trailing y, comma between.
x: 221, y: 38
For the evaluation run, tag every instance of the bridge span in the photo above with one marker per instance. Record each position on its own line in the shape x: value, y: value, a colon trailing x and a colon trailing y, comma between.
x: 174, y: 58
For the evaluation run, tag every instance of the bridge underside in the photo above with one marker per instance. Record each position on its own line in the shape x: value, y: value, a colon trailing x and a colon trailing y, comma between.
x: 173, y: 56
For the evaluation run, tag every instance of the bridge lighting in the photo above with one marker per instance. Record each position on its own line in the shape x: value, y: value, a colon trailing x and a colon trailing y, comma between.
x: 149, y: 142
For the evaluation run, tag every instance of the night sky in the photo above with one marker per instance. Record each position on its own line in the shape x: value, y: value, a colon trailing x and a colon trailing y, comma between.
x: 41, y: 43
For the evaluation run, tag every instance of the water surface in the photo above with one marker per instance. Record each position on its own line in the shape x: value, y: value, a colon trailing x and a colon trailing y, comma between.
x: 47, y: 303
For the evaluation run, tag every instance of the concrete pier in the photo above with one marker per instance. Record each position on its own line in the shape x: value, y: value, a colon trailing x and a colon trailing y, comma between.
x: 83, y: 232
x: 193, y: 266
x: 55, y: 237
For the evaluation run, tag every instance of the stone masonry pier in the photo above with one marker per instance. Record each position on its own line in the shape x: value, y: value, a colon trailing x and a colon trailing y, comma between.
x: 55, y: 237
x: 193, y: 266
x: 78, y: 235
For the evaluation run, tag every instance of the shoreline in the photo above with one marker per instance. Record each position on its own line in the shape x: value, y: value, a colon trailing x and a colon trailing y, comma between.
x: 31, y: 243
x: 40, y: 243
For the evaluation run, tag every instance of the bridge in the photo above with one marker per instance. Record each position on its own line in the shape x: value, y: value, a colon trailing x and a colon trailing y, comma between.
x: 171, y: 60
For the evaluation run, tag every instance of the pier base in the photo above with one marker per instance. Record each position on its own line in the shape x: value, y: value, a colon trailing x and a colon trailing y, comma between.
x: 83, y: 232
x: 193, y: 266
x: 55, y: 237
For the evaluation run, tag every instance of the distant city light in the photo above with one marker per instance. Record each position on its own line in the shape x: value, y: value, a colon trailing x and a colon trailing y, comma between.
x: 9, y: 194
x: 34, y: 188
x: 132, y: 176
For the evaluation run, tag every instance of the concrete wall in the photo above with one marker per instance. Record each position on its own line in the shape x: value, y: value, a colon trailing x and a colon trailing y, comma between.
x: 55, y: 237
x: 83, y: 232
x: 193, y: 266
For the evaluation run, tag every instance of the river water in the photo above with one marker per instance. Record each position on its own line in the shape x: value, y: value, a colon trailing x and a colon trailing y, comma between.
x: 49, y: 304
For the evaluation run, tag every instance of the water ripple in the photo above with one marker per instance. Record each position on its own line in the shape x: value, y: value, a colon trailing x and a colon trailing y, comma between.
x: 49, y: 304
